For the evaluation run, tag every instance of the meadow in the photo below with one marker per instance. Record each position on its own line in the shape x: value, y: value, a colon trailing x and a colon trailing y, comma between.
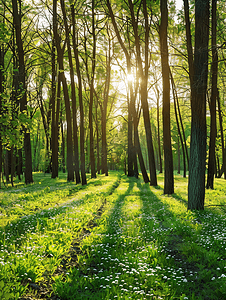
x: 116, y: 238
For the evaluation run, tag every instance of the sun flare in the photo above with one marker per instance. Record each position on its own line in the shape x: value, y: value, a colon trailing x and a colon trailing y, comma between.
x: 130, y: 78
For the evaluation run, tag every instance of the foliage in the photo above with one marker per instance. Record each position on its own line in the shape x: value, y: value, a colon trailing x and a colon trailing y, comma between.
x: 130, y: 240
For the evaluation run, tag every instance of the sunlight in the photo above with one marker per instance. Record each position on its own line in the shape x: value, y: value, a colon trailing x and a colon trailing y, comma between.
x: 130, y: 78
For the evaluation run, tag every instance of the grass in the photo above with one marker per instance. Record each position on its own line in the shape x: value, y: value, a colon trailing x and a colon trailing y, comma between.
x: 116, y: 238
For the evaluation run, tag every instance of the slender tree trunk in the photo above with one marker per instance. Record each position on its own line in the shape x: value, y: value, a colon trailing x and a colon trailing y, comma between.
x: 222, y: 137
x: 213, y: 125
x: 82, y: 130
x: 1, y: 91
x: 168, y: 157
x: 178, y: 155
x: 55, y: 133
x: 175, y: 102
x: 23, y: 101
x: 63, y: 140
x: 130, y: 140
x: 12, y: 165
x: 137, y: 142
x: 158, y: 130
x: 197, y: 167
x: 20, y: 164
x: 70, y: 168
x: 189, y: 42
x: 98, y: 140
x: 104, y: 111
x: 144, y: 79
x: 52, y: 109
x: 73, y: 94
x: 91, y: 150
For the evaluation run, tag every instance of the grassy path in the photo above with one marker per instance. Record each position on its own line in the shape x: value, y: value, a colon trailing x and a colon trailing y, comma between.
x: 118, y: 238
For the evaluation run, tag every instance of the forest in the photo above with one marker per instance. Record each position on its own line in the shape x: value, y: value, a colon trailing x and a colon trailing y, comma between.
x: 88, y: 86
x: 112, y: 149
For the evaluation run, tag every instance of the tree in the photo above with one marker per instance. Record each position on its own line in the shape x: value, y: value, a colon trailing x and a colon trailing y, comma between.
x: 213, y: 99
x: 60, y: 52
x: 23, y: 93
x: 197, y: 167
x: 167, y: 147
x: 81, y: 108
x: 73, y: 94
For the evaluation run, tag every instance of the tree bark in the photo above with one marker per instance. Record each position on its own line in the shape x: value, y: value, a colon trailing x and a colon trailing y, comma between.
x: 73, y: 94
x: 104, y: 165
x: 91, y: 150
x: 55, y: 132
x: 23, y: 101
x: 63, y: 141
x: 223, y: 169
x: 158, y: 132
x: 82, y: 130
x: 213, y: 125
x: 70, y: 168
x: 168, y: 157
x: 52, y: 109
x: 189, y: 42
x: 196, y: 185
x: 1, y: 91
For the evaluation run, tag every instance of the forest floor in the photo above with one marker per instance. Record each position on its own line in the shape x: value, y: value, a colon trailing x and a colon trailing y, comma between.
x: 116, y: 238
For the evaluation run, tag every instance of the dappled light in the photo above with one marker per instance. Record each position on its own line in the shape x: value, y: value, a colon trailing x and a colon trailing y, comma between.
x: 112, y: 149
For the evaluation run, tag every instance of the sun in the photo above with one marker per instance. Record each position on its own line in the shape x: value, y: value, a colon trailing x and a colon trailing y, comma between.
x: 130, y: 77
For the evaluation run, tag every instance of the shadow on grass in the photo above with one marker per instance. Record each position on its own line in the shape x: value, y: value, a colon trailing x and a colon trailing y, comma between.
x: 183, y: 251
x: 75, y: 285
x: 19, y: 227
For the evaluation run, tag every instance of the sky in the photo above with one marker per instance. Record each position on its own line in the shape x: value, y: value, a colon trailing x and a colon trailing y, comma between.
x: 179, y: 4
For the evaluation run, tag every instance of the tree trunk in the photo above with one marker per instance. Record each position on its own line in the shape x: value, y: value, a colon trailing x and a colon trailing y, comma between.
x: 82, y: 130
x: 70, y: 168
x: 12, y: 165
x: 130, y: 140
x: 91, y: 139
x: 98, y: 140
x: 189, y: 42
x: 222, y: 137
x: 158, y: 130
x: 63, y: 141
x: 176, y: 105
x: 137, y: 142
x: 55, y: 133
x: 1, y: 91
x: 213, y: 125
x: 168, y: 157
x: 23, y: 101
x: 144, y: 79
x: 52, y: 109
x: 73, y: 94
x: 104, y: 165
x: 178, y: 155
x: 196, y: 185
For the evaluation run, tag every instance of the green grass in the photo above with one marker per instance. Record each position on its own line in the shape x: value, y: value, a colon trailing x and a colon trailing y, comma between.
x: 116, y: 238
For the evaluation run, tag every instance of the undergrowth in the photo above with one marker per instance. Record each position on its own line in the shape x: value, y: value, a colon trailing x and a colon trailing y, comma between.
x: 129, y: 241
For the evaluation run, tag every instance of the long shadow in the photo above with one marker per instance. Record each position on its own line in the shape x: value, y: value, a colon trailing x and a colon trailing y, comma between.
x: 172, y: 244
x: 19, y: 228
x: 95, y: 264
